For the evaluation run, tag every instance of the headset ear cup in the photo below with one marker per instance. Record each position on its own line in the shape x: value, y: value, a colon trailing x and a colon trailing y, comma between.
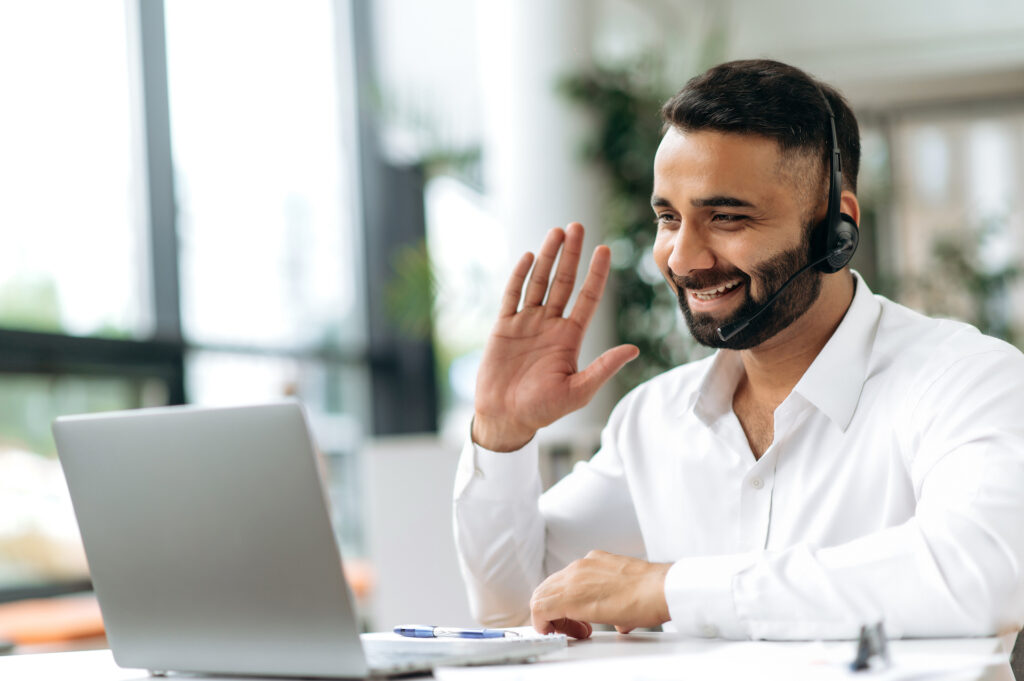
x: 820, y: 242
x: 845, y: 232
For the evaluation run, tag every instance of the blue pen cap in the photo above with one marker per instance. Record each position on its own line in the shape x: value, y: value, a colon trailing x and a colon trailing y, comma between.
x: 415, y: 631
x: 490, y: 633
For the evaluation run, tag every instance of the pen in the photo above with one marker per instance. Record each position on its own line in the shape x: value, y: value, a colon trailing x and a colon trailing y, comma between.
x: 424, y: 631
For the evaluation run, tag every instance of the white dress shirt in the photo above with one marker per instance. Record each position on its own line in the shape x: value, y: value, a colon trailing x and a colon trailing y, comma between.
x: 893, y: 490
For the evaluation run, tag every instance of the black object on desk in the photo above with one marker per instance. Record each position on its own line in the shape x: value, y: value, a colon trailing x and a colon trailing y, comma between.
x: 871, y: 645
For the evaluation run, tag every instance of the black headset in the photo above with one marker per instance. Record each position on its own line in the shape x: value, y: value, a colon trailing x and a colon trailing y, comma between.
x: 835, y: 238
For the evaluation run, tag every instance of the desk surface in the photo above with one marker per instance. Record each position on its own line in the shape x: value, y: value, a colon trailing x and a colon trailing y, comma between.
x: 98, y: 665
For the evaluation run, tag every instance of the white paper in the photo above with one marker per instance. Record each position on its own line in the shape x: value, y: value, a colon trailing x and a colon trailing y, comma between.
x: 763, y: 661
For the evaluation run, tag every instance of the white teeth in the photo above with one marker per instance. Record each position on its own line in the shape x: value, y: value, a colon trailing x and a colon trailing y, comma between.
x: 711, y: 294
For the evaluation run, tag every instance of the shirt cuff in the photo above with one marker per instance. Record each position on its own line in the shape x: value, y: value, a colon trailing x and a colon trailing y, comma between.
x: 699, y: 593
x: 497, y: 475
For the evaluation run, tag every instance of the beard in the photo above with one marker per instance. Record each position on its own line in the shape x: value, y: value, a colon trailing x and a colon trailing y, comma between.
x: 771, y: 274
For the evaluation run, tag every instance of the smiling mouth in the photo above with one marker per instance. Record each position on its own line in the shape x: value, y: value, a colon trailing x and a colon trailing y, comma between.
x: 717, y: 292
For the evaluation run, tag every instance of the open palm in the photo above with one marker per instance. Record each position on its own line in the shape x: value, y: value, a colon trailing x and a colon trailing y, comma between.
x: 529, y: 376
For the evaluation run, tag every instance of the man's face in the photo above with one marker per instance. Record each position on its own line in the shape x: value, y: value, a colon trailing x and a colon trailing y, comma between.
x: 734, y: 220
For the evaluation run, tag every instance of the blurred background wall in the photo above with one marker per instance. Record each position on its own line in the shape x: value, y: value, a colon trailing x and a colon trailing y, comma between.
x: 229, y: 201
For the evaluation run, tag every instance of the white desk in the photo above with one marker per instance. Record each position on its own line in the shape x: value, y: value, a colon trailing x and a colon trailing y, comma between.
x: 98, y: 665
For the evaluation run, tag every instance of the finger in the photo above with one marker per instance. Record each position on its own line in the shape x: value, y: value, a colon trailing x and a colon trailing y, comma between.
x: 538, y: 285
x: 544, y: 628
x: 573, y: 628
x: 590, y: 380
x: 593, y: 287
x: 565, y: 275
x: 546, y: 607
x: 623, y: 630
x: 546, y: 617
x: 514, y: 287
x: 538, y: 614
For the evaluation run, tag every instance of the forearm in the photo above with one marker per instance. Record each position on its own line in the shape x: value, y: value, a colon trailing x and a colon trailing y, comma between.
x: 499, y: 532
x: 510, y: 538
x: 965, y: 587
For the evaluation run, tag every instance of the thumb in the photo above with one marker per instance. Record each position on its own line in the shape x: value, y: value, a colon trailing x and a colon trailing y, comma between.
x: 588, y: 381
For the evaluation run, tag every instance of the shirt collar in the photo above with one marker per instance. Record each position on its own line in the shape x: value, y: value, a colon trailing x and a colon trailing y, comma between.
x: 834, y: 381
x: 714, y: 396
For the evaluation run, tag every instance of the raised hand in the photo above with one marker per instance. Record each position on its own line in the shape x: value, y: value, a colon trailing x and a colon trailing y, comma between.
x: 528, y: 377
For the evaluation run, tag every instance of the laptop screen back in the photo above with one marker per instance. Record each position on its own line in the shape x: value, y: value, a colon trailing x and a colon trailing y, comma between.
x: 209, y: 540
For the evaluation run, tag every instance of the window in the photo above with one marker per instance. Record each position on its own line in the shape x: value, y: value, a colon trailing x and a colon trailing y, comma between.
x: 268, y: 250
x: 958, y: 219
x: 73, y: 262
x: 262, y: 252
x: 71, y: 204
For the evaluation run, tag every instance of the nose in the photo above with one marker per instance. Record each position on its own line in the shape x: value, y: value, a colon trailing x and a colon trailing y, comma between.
x: 690, y: 251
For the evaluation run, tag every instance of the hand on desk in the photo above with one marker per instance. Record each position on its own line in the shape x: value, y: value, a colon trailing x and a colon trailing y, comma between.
x: 605, y: 588
x: 528, y: 376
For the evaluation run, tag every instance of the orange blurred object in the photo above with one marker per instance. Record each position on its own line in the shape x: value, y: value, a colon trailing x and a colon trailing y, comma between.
x: 45, y: 620
x: 68, y: 618
x: 360, y: 577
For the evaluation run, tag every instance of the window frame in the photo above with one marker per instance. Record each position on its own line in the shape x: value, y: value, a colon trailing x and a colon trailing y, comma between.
x: 402, y: 375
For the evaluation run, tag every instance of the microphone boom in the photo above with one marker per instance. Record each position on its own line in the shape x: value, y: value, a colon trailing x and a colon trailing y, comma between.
x: 727, y: 331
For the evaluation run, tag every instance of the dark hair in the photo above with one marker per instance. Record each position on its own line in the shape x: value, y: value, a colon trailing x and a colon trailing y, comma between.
x: 771, y: 99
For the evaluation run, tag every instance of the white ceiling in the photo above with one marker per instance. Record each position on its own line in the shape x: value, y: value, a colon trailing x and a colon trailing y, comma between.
x: 883, y: 52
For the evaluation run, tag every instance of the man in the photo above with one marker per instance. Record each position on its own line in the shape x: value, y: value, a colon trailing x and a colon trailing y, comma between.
x: 840, y: 461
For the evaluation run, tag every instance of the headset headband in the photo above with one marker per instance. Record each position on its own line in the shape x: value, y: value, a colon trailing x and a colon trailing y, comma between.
x: 835, y: 168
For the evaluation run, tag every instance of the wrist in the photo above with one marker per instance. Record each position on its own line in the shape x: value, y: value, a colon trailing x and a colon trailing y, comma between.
x: 498, y: 436
x: 661, y: 598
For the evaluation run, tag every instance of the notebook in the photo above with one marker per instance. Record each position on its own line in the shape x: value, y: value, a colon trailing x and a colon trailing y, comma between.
x: 211, y: 550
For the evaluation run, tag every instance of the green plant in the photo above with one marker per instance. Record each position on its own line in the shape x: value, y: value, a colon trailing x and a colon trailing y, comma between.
x: 962, y: 283
x: 31, y: 303
x: 412, y: 290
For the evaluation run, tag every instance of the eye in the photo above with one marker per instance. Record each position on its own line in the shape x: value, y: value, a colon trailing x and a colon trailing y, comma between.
x: 728, y: 217
x: 665, y: 219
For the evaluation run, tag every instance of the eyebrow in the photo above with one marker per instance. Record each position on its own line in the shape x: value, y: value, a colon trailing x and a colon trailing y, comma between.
x: 709, y: 202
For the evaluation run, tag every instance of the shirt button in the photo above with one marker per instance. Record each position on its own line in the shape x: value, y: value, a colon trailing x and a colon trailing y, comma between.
x: 757, y: 483
x: 708, y: 630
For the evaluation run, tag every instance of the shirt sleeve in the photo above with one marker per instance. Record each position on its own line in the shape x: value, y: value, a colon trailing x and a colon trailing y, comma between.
x: 510, y: 537
x: 499, y: 533
x: 955, y: 569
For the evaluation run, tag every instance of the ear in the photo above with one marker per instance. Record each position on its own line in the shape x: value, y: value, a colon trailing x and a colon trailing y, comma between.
x: 848, y: 204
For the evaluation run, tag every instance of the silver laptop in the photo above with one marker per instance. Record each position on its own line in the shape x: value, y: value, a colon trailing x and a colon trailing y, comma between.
x: 211, y: 549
